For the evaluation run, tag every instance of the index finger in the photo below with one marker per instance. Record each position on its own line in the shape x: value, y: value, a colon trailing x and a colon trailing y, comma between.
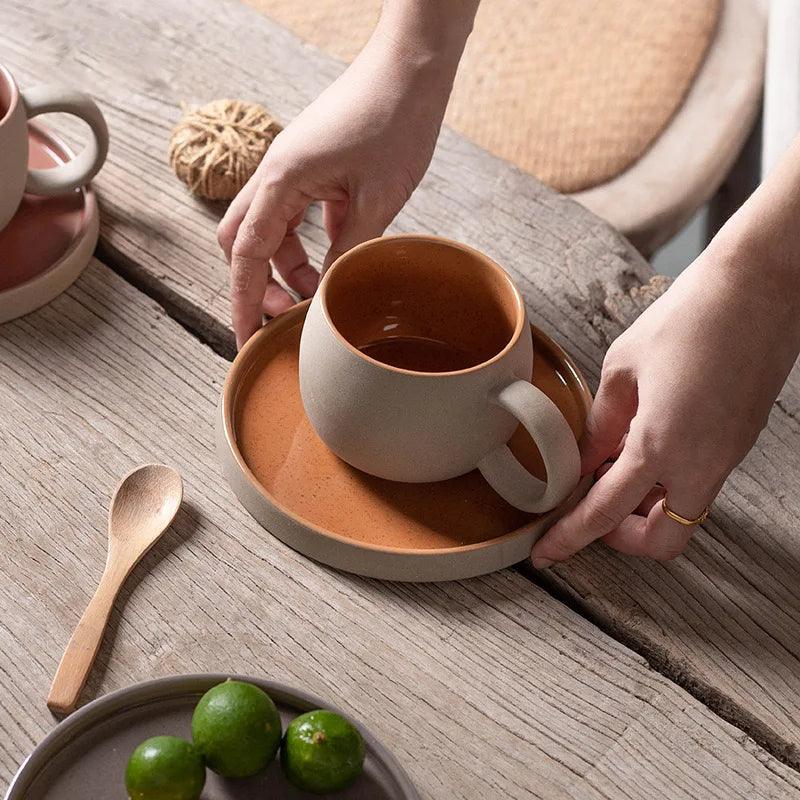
x: 607, y: 504
x: 259, y: 236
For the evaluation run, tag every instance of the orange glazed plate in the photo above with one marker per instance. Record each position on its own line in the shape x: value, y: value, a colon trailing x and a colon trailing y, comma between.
x: 307, y: 497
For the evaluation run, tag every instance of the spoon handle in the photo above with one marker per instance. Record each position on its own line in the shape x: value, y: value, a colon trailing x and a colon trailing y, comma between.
x: 81, y: 651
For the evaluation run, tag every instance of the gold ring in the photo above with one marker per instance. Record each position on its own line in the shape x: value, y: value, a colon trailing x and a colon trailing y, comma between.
x: 683, y: 521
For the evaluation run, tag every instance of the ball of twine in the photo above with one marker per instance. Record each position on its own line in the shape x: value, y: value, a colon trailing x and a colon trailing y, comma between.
x: 214, y: 149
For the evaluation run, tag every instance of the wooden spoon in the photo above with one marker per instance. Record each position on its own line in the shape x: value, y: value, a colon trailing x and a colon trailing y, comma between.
x: 142, y: 508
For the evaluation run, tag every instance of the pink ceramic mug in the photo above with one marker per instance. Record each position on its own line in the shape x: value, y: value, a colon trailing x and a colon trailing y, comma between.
x: 16, y: 108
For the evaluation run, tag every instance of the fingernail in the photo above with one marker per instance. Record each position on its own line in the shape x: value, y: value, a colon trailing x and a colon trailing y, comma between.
x: 542, y: 563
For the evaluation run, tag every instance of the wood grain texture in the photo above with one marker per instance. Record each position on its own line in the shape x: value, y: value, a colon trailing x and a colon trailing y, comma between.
x: 482, y: 688
x: 723, y: 619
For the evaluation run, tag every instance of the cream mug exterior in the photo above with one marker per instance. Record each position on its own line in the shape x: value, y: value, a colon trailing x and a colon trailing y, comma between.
x: 16, y: 108
x: 413, y: 426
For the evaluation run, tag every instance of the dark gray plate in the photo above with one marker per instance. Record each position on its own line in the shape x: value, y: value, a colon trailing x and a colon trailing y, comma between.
x: 85, y: 756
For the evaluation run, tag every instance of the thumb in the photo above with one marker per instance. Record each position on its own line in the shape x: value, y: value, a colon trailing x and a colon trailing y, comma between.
x: 357, y: 226
x: 609, y: 418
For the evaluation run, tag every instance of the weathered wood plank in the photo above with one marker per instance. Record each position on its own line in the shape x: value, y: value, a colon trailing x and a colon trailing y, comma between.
x: 723, y: 619
x: 483, y: 688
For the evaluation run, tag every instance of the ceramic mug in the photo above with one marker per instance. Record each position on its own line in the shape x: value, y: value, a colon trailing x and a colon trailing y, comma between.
x: 16, y: 108
x: 415, y: 365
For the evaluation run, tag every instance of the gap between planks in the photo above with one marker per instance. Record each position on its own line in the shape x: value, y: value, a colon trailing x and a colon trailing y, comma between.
x: 659, y: 660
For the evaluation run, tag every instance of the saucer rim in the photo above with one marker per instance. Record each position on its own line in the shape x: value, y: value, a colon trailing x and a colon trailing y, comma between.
x: 229, y: 450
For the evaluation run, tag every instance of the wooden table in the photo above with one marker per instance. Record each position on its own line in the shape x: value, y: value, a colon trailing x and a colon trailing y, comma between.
x: 604, y: 677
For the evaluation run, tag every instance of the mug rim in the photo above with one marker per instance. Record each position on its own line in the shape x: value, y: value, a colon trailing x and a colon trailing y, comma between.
x: 519, y: 304
x: 5, y: 75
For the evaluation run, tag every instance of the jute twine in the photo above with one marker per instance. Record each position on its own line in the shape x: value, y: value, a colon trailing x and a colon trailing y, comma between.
x: 214, y: 149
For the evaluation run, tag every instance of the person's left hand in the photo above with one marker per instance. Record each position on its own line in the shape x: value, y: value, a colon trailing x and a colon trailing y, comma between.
x: 683, y: 395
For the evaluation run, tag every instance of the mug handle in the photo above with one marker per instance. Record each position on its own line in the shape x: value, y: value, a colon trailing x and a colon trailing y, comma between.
x: 556, y: 443
x: 81, y: 169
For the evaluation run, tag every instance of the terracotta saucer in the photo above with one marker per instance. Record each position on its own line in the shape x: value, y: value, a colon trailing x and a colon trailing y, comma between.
x: 50, y: 240
x: 300, y: 492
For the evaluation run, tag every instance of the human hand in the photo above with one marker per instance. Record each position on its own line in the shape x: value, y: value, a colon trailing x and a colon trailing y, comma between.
x: 683, y: 395
x: 361, y: 148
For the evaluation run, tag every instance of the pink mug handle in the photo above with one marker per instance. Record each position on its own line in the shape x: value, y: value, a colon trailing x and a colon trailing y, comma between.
x: 81, y: 169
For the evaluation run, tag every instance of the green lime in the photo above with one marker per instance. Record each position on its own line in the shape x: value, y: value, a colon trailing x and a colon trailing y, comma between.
x: 322, y: 752
x: 165, y: 768
x: 236, y: 728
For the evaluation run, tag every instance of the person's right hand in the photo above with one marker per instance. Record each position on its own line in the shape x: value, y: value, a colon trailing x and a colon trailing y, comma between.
x: 361, y: 148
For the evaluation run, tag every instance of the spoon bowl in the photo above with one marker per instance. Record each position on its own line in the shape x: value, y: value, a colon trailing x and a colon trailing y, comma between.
x: 142, y: 508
